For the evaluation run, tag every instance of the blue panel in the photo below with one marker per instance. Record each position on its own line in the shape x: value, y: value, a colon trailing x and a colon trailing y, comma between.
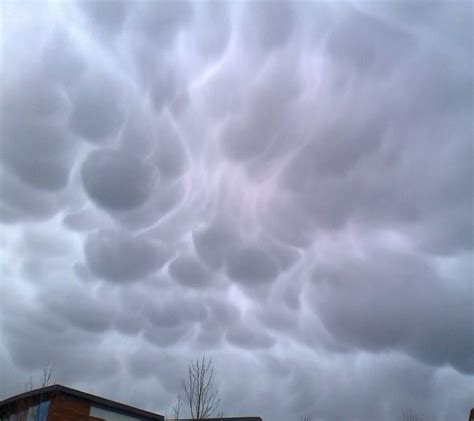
x: 43, y: 411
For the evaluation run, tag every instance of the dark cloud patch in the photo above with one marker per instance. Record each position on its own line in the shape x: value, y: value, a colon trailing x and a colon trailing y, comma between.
x: 160, y: 22
x: 164, y: 198
x: 222, y: 314
x: 36, y: 145
x: 249, y: 338
x: 336, y: 150
x: 435, y: 88
x: 419, y: 12
x: 140, y: 360
x: 298, y: 227
x: 30, y: 97
x: 244, y: 140
x: 263, y: 125
x: 115, y: 180
x: 61, y: 60
x: 138, y: 136
x: 165, y: 86
x: 164, y: 313
x: 166, y: 336
x: 82, y: 272
x: 170, y: 154
x: 212, y: 27
x: 107, y: 15
x: 269, y: 24
x: 86, y: 219
x: 285, y: 256
x: 82, y: 310
x: 190, y: 272
x: 49, y: 167
x: 361, y: 41
x: 129, y: 324
x: 98, y: 109
x: 105, y: 252
x: 390, y: 305
x: 213, y: 243
x: 53, y: 341
x: 20, y: 202
x: 251, y: 265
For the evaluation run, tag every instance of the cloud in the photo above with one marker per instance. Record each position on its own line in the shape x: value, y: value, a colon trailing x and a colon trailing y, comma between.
x: 249, y: 338
x: 20, y: 202
x: 250, y: 264
x: 269, y: 24
x: 98, y: 111
x: 368, y: 315
x: 116, y: 181
x: 34, y: 122
x: 161, y: 22
x: 213, y: 243
x: 104, y: 252
x: 361, y: 41
x: 169, y: 154
x: 107, y: 16
x: 189, y: 271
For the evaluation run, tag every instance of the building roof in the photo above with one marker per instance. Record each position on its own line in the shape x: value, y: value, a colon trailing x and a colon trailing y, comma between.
x: 48, y: 392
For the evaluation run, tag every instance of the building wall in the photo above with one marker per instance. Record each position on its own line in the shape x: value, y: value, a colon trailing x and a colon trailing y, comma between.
x: 65, y: 408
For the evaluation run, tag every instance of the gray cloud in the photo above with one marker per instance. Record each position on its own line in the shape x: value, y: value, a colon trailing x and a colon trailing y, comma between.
x: 407, y: 321
x: 98, y: 110
x: 249, y: 264
x: 269, y: 24
x: 282, y: 186
x: 116, y: 181
x: 189, y: 271
x: 161, y: 22
x: 169, y: 153
x: 104, y: 251
x: 212, y: 28
x: 361, y: 41
x: 21, y: 202
x: 213, y: 243
x: 108, y: 16
x: 246, y: 337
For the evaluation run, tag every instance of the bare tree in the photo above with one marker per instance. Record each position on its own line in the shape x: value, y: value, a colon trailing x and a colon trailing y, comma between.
x: 410, y: 415
x: 305, y: 418
x: 201, y: 395
x: 177, y: 407
x: 46, y: 379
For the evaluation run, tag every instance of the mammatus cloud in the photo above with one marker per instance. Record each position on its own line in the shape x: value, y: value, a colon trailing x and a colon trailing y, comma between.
x: 283, y: 186
x: 115, y: 180
x: 105, y: 250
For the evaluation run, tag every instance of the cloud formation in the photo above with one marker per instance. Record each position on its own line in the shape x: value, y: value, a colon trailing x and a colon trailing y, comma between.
x: 283, y: 186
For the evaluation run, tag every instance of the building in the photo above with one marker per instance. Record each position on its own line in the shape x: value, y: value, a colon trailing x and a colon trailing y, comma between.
x: 60, y: 403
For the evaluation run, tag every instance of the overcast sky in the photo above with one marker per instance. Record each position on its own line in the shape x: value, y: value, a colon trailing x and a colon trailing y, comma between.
x: 286, y: 187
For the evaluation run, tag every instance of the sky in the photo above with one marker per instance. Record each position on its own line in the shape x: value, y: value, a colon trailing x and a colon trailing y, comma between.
x: 285, y: 187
